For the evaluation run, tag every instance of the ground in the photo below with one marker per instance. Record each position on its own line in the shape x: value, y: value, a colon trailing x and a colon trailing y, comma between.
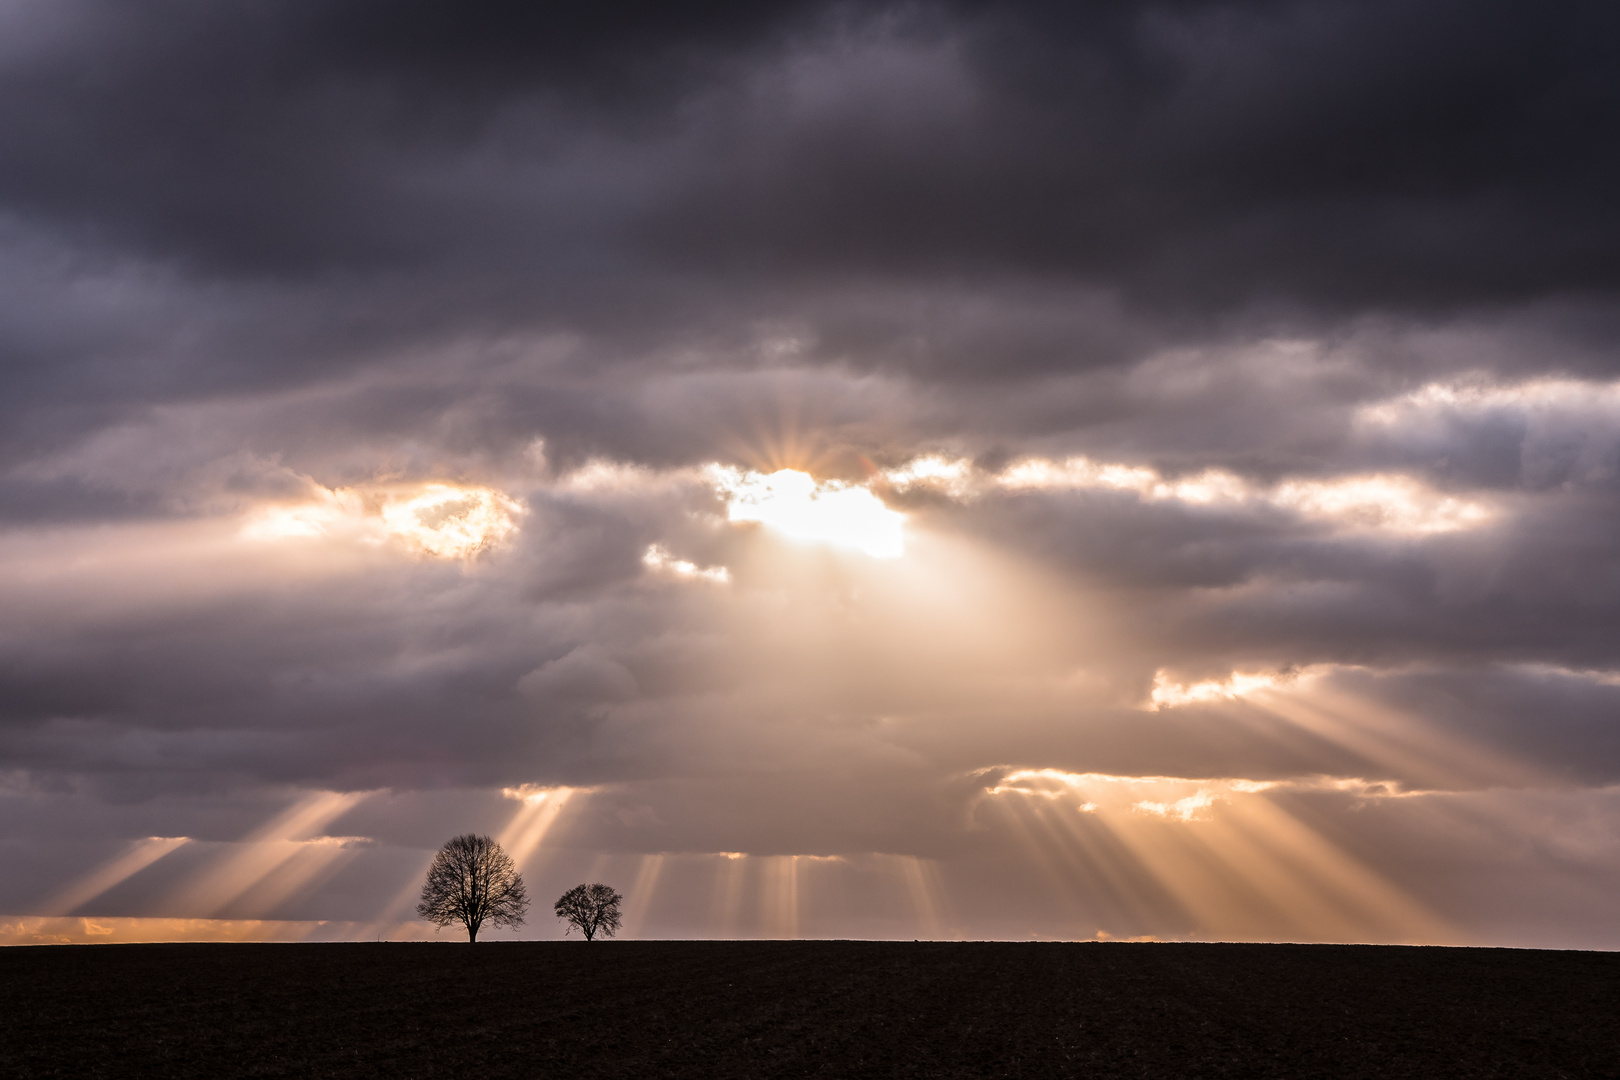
x: 790, y: 1009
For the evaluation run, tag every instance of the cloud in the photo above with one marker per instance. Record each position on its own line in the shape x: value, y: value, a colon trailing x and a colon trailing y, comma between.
x: 758, y: 420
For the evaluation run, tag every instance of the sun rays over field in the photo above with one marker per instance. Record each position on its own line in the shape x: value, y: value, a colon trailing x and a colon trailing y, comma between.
x: 276, y: 861
x: 1112, y: 470
x: 526, y: 831
x: 1097, y: 854
x: 1228, y: 857
x: 852, y: 631
x: 856, y: 625
x: 140, y: 855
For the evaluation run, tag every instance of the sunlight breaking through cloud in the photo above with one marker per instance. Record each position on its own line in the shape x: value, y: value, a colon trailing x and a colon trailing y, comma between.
x: 1376, y: 502
x: 441, y: 520
x: 277, y: 860
x: 541, y: 806
x: 1480, y: 395
x: 952, y: 476
x: 796, y: 505
x: 1168, y: 695
x: 1226, y: 853
x: 658, y: 558
x: 1385, y: 502
x: 451, y: 522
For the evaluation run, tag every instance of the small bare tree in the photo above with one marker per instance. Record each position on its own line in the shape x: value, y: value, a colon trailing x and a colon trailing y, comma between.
x: 473, y: 881
x: 593, y: 909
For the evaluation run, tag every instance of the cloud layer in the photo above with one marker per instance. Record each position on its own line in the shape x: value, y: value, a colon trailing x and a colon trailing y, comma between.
x: 916, y: 469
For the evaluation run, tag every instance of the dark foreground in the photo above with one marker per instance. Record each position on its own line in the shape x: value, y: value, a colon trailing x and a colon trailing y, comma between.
x: 833, y: 1009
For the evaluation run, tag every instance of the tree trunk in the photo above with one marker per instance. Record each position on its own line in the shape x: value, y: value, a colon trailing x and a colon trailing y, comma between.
x: 472, y: 935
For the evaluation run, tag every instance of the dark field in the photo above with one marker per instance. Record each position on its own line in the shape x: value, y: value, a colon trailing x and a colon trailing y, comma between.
x: 846, y: 1009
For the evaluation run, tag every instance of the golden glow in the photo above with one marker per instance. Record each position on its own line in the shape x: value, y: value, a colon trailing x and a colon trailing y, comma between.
x: 78, y: 931
x: 278, y: 859
x: 782, y: 896
x: 445, y: 521
x: 658, y: 559
x: 795, y: 504
x: 527, y: 830
x: 1405, y: 743
x: 725, y: 899
x: 921, y: 877
x: 58, y: 930
x: 451, y: 522
x: 639, y: 898
x: 1221, y: 854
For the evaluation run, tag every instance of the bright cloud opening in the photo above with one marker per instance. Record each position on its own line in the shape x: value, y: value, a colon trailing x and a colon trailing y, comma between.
x: 452, y: 522
x: 952, y: 476
x: 658, y: 558
x: 1168, y: 694
x: 1188, y: 808
x: 446, y: 521
x: 830, y: 512
x: 1394, y: 503
x: 1380, y: 502
x: 1170, y: 797
x: 1174, y: 798
x: 1568, y: 396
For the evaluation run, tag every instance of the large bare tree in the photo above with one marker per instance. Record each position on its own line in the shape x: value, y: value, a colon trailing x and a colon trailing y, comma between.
x: 473, y: 881
x: 593, y: 909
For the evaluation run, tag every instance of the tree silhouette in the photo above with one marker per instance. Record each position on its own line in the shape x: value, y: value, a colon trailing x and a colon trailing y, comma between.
x: 473, y: 881
x: 594, y: 909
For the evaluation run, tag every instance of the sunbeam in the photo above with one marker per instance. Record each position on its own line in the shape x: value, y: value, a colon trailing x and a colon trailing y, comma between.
x: 140, y: 855
x: 640, y: 897
x: 538, y: 814
x: 266, y: 851
x: 1234, y: 861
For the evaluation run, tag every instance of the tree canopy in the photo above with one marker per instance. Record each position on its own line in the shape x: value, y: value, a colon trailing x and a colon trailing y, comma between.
x: 473, y: 881
x: 592, y: 909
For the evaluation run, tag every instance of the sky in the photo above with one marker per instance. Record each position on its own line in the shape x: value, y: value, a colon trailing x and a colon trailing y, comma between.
x: 887, y: 470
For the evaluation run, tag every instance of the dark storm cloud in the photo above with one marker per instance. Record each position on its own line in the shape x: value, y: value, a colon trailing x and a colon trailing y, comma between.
x: 1383, y: 153
x: 1196, y: 158
x: 209, y: 201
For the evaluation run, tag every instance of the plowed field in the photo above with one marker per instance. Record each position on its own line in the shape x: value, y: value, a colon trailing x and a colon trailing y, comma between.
x: 811, y: 1009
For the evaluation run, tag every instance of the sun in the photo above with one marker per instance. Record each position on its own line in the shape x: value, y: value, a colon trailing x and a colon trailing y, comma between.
x: 830, y: 512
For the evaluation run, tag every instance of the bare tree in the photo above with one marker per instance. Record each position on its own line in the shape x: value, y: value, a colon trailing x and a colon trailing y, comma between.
x: 473, y: 881
x: 594, y: 909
